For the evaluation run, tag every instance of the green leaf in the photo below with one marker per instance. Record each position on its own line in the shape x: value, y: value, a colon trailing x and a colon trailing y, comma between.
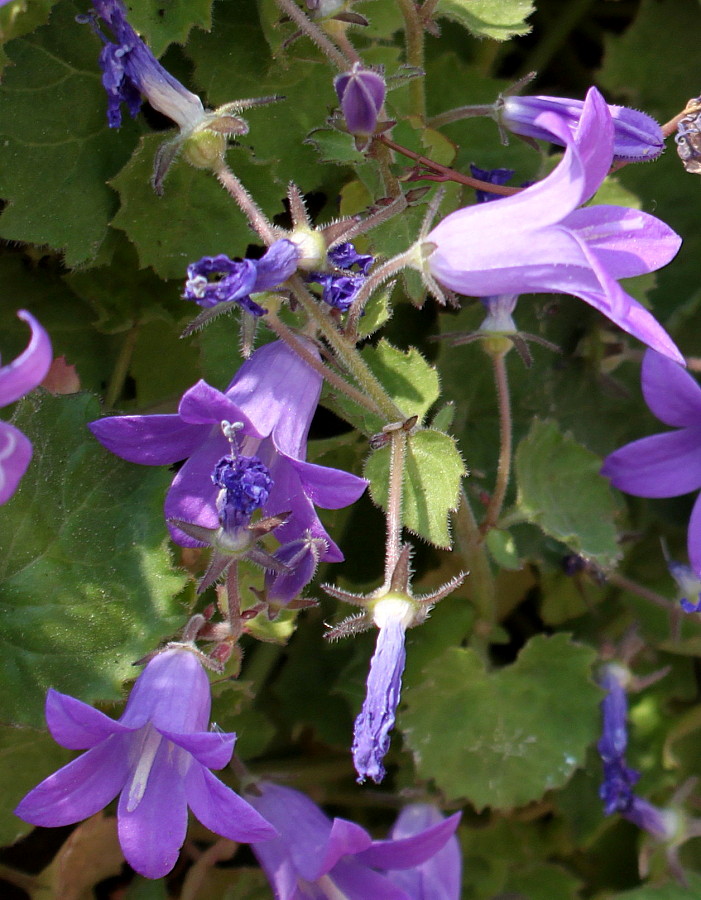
x: 87, y: 582
x: 53, y: 133
x: 498, y: 19
x: 671, y: 891
x: 560, y: 489
x: 502, y: 547
x: 161, y: 24
x: 433, y: 469
x: 503, y: 739
x: 26, y: 758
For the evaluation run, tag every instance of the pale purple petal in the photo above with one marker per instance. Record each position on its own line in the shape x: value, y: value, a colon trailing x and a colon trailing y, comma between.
x: 345, y: 838
x: 149, y: 440
x: 221, y: 810
x: 694, y: 537
x: 670, y: 391
x: 302, y: 556
x: 376, y: 719
x: 357, y: 882
x: 415, y: 848
x: 329, y: 488
x: 440, y: 876
x: 80, y: 789
x: 152, y: 833
x: 663, y: 465
x: 210, y: 748
x: 192, y: 495
x: 30, y: 368
x: 15, y: 456
x: 77, y: 726
x: 614, y: 712
x: 204, y: 405
x: 172, y: 693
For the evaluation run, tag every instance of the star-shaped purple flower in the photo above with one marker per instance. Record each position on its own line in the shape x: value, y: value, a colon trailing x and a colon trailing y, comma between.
x: 273, y: 395
x: 16, y: 379
x: 539, y: 241
x: 157, y: 757
x: 667, y: 464
x: 315, y: 857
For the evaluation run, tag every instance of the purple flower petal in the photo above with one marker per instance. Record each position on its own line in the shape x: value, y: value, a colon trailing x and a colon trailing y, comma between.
x: 80, y: 789
x: 152, y: 826
x: 376, y: 719
x: 77, y: 726
x: 149, y: 440
x: 276, y: 265
x: 663, y: 465
x: 222, y: 810
x: 416, y: 848
x: 670, y: 391
x: 29, y: 369
x: 357, y: 882
x: 15, y: 456
x: 694, y: 537
x: 332, y: 489
x: 210, y: 748
x: 205, y: 405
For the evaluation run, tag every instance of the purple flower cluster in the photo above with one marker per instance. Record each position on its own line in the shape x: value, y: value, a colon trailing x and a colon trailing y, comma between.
x: 339, y: 291
x: 17, y: 379
x: 235, y: 280
x: 540, y: 241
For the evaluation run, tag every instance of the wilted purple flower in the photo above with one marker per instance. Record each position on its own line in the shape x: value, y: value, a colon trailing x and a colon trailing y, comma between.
x: 339, y: 291
x: 667, y: 464
x: 315, y: 857
x: 157, y: 757
x: 439, y: 878
x: 493, y: 176
x: 273, y: 395
x: 16, y: 379
x: 240, y: 278
x: 129, y: 70
x: 362, y: 93
x: 538, y: 241
x: 392, y: 615
x: 688, y: 583
x: 636, y: 136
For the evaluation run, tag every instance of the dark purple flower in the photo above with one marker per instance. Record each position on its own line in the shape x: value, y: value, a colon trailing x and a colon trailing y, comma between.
x: 130, y: 70
x: 157, y: 757
x: 315, y: 857
x: 273, y: 395
x: 493, y: 176
x: 539, y: 241
x: 439, y: 878
x: 345, y: 256
x: 245, y: 486
x: 339, y: 291
x: 16, y: 379
x: 392, y: 615
x: 667, y: 464
x: 362, y: 93
x: 237, y: 279
x: 636, y: 136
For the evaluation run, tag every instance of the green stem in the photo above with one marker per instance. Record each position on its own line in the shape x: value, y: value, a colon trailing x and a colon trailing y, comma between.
x: 121, y: 367
x: 394, y: 500
x: 480, y: 583
x: 345, y: 353
x: 414, y: 32
x: 246, y: 203
x: 314, y: 33
x: 505, y: 441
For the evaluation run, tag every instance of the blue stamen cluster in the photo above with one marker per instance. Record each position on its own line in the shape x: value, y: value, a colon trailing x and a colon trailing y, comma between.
x: 339, y: 291
x: 246, y: 484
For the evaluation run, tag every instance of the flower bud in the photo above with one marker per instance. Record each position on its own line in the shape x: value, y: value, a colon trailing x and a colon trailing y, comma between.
x: 362, y: 93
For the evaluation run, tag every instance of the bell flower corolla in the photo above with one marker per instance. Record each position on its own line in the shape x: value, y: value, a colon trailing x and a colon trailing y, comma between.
x: 273, y: 395
x: 315, y: 857
x: 16, y: 379
x: 636, y: 136
x: 237, y: 279
x: 157, y: 757
x: 539, y: 241
x: 667, y: 464
x: 439, y: 878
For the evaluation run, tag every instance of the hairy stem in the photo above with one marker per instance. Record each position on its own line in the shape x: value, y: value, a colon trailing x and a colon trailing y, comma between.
x: 505, y: 440
x: 314, y: 33
x: 414, y: 33
x: 121, y: 367
x: 246, y: 203
x: 480, y: 583
x: 393, y: 546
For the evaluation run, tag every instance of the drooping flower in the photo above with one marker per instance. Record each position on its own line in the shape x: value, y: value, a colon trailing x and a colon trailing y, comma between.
x: 636, y: 136
x: 439, y: 877
x: 361, y: 93
x: 273, y: 395
x: 302, y: 557
x: 17, y: 379
x: 539, y: 241
x: 157, y: 757
x: 667, y: 464
x: 239, y: 278
x: 315, y: 857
